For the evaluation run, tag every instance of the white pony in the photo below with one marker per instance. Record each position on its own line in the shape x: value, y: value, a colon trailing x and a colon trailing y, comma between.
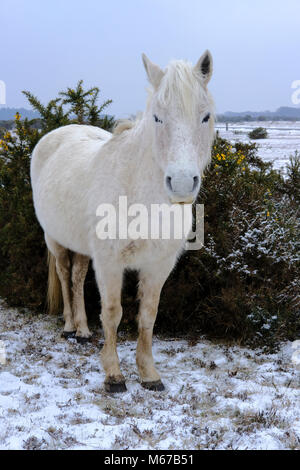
x: 159, y: 159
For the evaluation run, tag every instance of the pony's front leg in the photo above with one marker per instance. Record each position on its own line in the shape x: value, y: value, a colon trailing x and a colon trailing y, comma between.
x: 150, y: 287
x: 110, y: 285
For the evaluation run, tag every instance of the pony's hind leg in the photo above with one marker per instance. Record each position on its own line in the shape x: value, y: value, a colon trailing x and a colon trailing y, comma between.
x: 63, y: 270
x: 110, y: 284
x: 80, y: 265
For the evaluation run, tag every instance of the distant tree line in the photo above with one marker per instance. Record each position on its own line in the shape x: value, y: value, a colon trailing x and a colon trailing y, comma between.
x: 249, y: 118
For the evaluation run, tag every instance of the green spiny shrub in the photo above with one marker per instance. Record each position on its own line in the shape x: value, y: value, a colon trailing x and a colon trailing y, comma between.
x: 23, y: 260
x: 258, y: 133
x: 245, y: 282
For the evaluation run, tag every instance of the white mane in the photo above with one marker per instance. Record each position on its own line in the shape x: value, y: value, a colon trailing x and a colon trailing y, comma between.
x: 123, y: 125
x: 180, y: 84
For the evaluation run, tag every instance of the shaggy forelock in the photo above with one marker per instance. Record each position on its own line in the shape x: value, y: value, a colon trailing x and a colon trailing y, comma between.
x: 181, y: 84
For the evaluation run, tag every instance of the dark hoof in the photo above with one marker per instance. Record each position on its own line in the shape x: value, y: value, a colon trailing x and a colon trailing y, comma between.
x: 156, y: 386
x: 115, y: 387
x: 83, y: 340
x: 68, y: 334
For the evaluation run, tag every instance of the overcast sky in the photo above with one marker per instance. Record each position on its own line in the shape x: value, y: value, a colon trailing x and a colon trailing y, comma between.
x: 47, y: 45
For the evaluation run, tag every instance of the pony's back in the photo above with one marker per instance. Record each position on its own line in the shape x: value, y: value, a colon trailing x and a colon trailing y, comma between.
x: 48, y: 145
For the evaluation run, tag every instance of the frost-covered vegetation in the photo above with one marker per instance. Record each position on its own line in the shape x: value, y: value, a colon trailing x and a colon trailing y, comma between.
x: 243, y: 285
x: 217, y: 396
x: 258, y: 133
x: 247, y: 275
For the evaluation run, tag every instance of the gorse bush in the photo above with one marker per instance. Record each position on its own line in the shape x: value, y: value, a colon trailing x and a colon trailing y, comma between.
x: 75, y: 106
x: 23, y: 260
x: 243, y: 285
x: 22, y: 252
x: 245, y: 282
x: 258, y: 133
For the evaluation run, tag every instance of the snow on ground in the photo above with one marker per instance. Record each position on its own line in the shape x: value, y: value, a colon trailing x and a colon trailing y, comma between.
x: 283, y: 140
x: 217, y: 396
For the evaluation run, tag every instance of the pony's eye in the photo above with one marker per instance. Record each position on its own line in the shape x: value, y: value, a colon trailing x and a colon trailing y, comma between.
x: 206, y: 118
x: 156, y: 119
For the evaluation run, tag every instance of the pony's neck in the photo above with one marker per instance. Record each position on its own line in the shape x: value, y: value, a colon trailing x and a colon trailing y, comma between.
x: 142, y: 137
x: 141, y: 163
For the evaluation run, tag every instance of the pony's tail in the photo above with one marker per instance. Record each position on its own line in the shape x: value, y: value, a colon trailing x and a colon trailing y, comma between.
x: 54, y: 295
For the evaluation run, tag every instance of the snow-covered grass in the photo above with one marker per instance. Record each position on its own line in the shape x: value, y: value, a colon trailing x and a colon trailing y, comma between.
x: 217, y: 396
x: 283, y: 139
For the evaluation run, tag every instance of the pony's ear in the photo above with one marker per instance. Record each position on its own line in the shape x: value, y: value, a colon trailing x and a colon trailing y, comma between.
x: 154, y: 72
x: 204, y: 67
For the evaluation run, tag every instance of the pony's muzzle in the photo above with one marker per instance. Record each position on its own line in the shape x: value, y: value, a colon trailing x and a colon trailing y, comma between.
x: 183, y: 188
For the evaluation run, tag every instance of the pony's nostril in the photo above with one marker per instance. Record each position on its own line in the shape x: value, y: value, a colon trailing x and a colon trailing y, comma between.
x: 196, y: 182
x: 168, y: 182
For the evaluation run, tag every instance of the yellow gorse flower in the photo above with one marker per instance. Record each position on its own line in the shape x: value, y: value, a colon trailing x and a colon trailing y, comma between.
x: 4, y: 145
x: 240, y: 159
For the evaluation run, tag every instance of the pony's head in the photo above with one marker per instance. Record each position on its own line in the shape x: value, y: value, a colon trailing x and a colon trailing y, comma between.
x: 181, y: 112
